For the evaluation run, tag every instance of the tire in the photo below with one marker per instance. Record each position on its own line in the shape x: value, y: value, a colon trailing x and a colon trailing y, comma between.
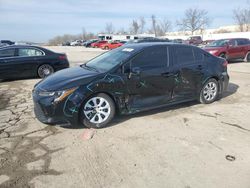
x: 97, y: 111
x: 223, y: 55
x: 247, y: 58
x: 106, y: 48
x: 209, y: 92
x: 45, y: 70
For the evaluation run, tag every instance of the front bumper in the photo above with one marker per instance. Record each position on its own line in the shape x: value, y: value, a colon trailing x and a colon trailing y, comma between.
x: 49, y: 112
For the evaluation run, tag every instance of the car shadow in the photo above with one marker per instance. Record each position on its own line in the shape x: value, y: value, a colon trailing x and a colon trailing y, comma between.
x: 232, y: 88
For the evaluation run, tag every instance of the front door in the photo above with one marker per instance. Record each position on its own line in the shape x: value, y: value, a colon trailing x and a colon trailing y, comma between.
x: 149, y: 79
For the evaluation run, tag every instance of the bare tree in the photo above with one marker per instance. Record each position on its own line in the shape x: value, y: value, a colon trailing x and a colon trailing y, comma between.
x: 109, y: 28
x: 154, y: 24
x: 134, y: 27
x: 165, y: 25
x: 122, y: 31
x: 142, y: 24
x: 242, y: 18
x: 195, y: 19
x: 84, y: 34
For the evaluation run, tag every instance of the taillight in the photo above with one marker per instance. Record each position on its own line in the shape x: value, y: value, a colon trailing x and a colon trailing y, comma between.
x: 62, y: 57
x: 225, y: 63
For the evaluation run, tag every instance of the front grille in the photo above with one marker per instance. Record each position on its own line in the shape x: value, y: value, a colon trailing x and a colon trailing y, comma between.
x: 39, y: 113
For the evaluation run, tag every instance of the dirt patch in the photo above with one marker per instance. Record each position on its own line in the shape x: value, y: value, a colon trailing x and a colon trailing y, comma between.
x: 19, y: 160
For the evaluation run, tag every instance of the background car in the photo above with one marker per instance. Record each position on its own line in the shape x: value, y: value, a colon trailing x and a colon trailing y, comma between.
x: 230, y: 49
x: 7, y: 42
x: 147, y: 39
x: 194, y: 40
x: 66, y: 44
x: 130, y: 79
x: 21, y: 61
x: 88, y: 43
x: 111, y: 45
x: 77, y: 43
x: 179, y: 41
x: 98, y: 44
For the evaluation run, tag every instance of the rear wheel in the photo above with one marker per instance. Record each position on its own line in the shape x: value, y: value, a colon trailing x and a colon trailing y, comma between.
x: 247, y: 58
x: 209, y: 91
x: 223, y: 55
x: 106, y: 47
x: 45, y: 70
x: 97, y: 111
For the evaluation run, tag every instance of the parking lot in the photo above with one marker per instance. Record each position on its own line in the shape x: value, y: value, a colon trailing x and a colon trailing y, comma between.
x: 189, y: 145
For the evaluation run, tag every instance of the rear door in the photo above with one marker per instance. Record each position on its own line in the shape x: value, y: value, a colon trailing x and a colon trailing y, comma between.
x: 150, y: 82
x: 234, y: 50
x: 28, y: 59
x: 189, y: 68
x: 243, y: 45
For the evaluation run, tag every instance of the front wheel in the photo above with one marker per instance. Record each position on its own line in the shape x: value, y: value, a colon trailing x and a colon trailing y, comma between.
x: 97, y: 111
x: 209, y: 91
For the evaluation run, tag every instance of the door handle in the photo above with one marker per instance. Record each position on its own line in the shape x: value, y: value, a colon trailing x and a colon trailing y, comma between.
x: 168, y: 74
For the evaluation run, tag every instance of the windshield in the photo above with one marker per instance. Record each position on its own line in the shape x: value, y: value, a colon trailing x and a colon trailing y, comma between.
x: 109, y: 60
x: 218, y: 43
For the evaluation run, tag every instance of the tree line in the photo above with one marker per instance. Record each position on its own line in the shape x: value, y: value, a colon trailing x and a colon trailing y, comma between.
x: 194, y: 19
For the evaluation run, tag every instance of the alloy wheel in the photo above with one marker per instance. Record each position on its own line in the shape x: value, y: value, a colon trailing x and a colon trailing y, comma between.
x: 210, y: 91
x: 97, y: 110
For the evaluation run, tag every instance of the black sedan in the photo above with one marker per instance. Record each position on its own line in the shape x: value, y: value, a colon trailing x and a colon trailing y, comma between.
x: 22, y: 61
x: 130, y: 79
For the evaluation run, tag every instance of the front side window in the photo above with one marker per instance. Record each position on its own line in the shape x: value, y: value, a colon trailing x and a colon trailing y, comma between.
x: 29, y: 52
x: 184, y: 55
x: 152, y: 57
x: 7, y: 53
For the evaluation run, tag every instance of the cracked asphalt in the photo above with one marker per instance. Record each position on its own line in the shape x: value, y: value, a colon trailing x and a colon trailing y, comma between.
x: 188, y: 146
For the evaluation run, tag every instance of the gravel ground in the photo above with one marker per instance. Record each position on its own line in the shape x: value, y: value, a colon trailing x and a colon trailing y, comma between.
x: 188, y: 146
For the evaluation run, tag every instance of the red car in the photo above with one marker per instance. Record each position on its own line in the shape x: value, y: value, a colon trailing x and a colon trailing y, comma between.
x: 98, y: 44
x: 111, y: 45
x: 236, y: 48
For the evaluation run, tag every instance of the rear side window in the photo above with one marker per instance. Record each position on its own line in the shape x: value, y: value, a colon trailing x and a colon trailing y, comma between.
x: 152, y: 57
x: 184, y: 55
x: 242, y: 41
x: 7, y: 53
x: 29, y: 52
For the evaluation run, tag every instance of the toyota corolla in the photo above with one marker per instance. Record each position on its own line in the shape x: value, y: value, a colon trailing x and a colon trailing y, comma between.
x: 130, y: 79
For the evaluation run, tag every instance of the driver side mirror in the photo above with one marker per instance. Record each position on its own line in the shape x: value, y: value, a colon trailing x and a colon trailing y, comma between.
x: 134, y: 71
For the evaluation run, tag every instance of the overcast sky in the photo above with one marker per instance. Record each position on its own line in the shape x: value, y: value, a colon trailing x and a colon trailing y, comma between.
x: 40, y: 20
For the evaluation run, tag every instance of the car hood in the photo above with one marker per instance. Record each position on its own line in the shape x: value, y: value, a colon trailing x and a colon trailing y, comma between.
x: 67, y: 78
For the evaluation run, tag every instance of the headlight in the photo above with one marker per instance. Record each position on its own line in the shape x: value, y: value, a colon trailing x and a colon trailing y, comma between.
x: 213, y: 51
x: 59, y: 95
x: 63, y: 94
x: 46, y: 94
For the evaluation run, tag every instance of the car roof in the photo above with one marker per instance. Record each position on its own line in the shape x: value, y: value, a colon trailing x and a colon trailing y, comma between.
x: 233, y: 39
x: 27, y: 46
